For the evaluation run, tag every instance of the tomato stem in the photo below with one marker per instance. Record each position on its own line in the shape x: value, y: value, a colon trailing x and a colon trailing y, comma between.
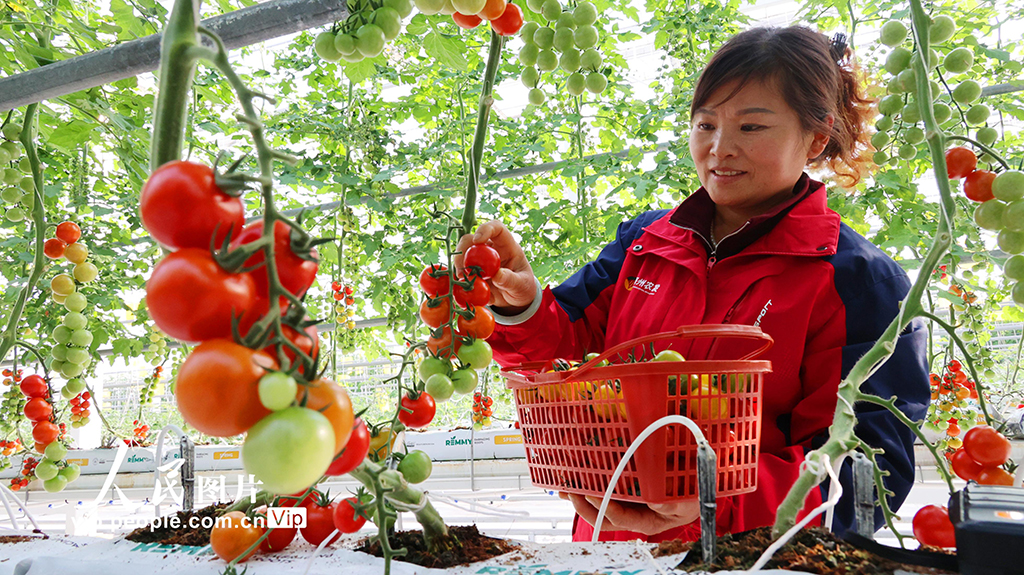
x: 177, y: 68
x: 480, y: 137
x: 982, y: 147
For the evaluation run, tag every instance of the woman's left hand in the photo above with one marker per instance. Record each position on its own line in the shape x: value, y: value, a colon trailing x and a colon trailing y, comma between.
x: 648, y: 519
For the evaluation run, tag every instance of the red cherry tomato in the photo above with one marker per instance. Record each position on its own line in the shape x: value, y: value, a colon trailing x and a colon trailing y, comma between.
x: 68, y: 232
x: 986, y: 446
x: 466, y: 22
x: 477, y: 295
x: 441, y: 346
x: 34, y: 386
x: 434, y: 286
x: 995, y: 476
x: 346, y: 519
x: 45, y: 432
x: 181, y: 206
x: 436, y: 315
x: 978, y: 185
x: 965, y: 467
x: 510, y: 21
x: 297, y: 270
x: 960, y: 161
x: 482, y: 259
x: 933, y: 527
x: 421, y: 412
x: 354, y: 452
x: 278, y: 539
x: 54, y: 248
x: 38, y: 409
x: 319, y: 523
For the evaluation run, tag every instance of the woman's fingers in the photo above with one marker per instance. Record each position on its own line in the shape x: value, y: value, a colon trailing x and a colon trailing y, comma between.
x: 589, y: 512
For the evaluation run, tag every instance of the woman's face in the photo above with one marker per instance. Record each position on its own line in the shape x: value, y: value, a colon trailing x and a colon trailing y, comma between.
x: 751, y: 149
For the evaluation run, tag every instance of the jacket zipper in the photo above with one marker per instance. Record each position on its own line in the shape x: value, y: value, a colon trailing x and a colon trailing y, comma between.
x: 712, y: 259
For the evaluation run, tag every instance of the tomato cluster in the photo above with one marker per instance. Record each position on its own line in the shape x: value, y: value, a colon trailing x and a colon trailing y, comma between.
x: 80, y: 409
x: 952, y: 395
x: 984, y: 453
x: 70, y: 354
x: 149, y: 386
x: 566, y: 40
x: 140, y: 434
x: 371, y: 24
x: 505, y: 17
x: 482, y: 410
x: 53, y: 470
x: 28, y: 469
x: 345, y: 308
x: 19, y: 193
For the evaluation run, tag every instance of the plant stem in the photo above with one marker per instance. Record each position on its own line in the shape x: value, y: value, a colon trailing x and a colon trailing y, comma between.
x: 177, y: 67
x: 967, y: 359
x: 480, y: 137
x: 10, y: 333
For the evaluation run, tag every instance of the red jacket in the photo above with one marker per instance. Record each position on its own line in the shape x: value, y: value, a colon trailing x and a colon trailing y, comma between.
x: 820, y: 290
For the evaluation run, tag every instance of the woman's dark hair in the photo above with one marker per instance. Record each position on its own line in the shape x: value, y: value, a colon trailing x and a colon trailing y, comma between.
x: 816, y: 76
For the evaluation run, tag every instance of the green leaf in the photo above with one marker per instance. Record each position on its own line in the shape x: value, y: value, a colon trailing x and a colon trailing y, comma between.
x: 448, y: 51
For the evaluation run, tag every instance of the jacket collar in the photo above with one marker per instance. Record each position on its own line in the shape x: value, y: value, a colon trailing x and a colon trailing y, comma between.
x: 802, y: 225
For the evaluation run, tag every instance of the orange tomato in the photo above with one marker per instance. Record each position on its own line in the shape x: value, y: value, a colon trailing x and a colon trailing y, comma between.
x: 382, y: 443
x: 493, y: 9
x: 232, y: 534
x: 995, y: 476
x: 331, y: 400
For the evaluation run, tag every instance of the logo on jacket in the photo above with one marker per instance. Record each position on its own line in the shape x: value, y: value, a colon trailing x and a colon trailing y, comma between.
x: 645, y: 286
x: 760, y: 316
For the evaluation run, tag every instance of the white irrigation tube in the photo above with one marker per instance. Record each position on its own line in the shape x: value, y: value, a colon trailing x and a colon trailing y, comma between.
x: 4, y: 493
x: 650, y: 558
x: 829, y: 504
x: 667, y: 420
x: 476, y: 508
x: 324, y: 543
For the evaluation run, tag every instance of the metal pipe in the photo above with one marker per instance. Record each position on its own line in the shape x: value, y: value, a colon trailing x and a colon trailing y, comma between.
x: 240, y: 28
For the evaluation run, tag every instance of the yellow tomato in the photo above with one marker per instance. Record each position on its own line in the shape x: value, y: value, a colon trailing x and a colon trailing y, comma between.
x: 606, y: 411
x: 382, y: 443
x: 707, y: 406
x: 954, y: 443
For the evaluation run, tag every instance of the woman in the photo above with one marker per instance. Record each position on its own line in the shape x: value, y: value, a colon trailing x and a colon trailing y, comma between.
x: 755, y: 245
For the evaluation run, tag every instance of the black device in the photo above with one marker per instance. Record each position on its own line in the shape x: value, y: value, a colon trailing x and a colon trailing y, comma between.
x: 989, y: 524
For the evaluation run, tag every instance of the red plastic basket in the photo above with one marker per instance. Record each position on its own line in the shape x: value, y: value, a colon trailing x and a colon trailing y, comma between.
x: 577, y: 424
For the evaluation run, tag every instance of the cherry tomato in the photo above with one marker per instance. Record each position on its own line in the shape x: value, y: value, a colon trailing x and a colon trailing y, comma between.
x: 68, y: 232
x: 478, y: 294
x: 296, y: 269
x: 190, y: 297
x: 476, y: 355
x: 289, y: 449
x: 181, y: 206
x: 933, y: 527
x: 421, y: 412
x: 434, y: 286
x: 332, y: 400
x: 319, y: 523
x: 278, y: 539
x: 54, y: 248
x: 493, y: 9
x: 960, y: 161
x: 34, y: 386
x: 355, y: 450
x: 437, y: 314
x: 482, y: 260
x: 45, y: 432
x: 986, y: 446
x: 382, y: 443
x: 416, y: 466
x: 308, y: 341
x: 953, y: 430
x: 439, y: 345
x: 480, y: 326
x: 995, y: 476
x: 978, y: 185
x: 965, y: 467
x: 217, y: 389
x: 466, y: 22
x: 510, y: 21
x: 38, y: 409
x: 345, y: 517
x: 232, y: 534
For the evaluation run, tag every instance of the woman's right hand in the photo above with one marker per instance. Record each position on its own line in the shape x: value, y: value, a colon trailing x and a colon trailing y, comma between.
x: 514, y: 286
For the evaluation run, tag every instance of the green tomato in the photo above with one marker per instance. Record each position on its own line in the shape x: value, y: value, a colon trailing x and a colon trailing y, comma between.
x: 345, y: 44
x: 565, y: 21
x: 585, y: 37
x: 958, y: 60
x: 431, y: 365
x: 551, y: 9
x: 913, y: 135
x: 569, y: 60
x: 324, y: 47
x: 469, y: 7
x: 56, y: 365
x: 966, y: 92
x: 1009, y: 185
x: 890, y: 105
x: 530, y: 77
x: 941, y: 29
x: 76, y: 385
x: 576, y: 84
x: 907, y: 151
x: 977, y: 114
x: 987, y: 136
x: 25, y: 166
x: 440, y: 387
x: 528, y: 54
x: 75, y: 321
x: 12, y: 176
x: 527, y: 31
x: 942, y: 112
x: 563, y: 39
x: 277, y: 390
x: 1014, y: 268
x: 289, y: 450
x: 911, y: 113
x: 66, y: 392
x: 55, y: 484
x: 389, y: 20
x: 415, y: 466
x: 77, y: 356
x: 15, y: 214
x: 879, y: 140
x: 544, y: 37
x: 898, y: 60
x: 75, y: 302
x: 69, y: 370
x: 85, y: 272
x: 465, y: 381
x: 13, y: 150
x: 893, y: 33
x: 1017, y: 293
x: 11, y: 195
x: 895, y: 86
x: 596, y: 82
x: 1013, y: 216
x: 402, y: 7
x: 62, y: 284
x: 370, y: 40
x: 71, y: 472
x: 669, y: 355
x: 1010, y: 241
x: 55, y: 451
x: 429, y: 7
x: 476, y: 355
x: 547, y: 61
x: 880, y: 158
x: 585, y: 14
x: 591, y: 60
x: 907, y: 80
x: 884, y: 123
x: 59, y: 352
x: 11, y: 131
x: 989, y: 215
x: 46, y: 470
x: 28, y: 184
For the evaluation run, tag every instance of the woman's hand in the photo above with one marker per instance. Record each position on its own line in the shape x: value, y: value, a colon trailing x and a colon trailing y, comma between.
x: 649, y: 519
x: 514, y: 286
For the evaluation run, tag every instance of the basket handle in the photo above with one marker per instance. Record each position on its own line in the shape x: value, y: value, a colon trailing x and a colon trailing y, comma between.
x: 686, y: 332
